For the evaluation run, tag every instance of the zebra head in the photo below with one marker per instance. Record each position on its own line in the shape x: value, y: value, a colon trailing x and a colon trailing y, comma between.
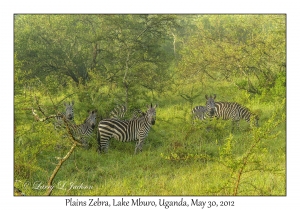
x: 210, y: 104
x: 69, y: 110
x: 151, y: 114
x: 91, y: 120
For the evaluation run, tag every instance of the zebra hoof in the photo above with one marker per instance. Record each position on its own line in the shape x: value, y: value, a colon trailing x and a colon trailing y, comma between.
x: 99, y: 151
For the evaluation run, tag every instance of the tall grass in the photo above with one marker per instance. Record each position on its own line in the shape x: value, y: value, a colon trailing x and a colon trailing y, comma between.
x: 179, y: 157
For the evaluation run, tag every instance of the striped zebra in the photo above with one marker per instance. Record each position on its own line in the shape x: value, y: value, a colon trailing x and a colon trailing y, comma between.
x: 126, y: 130
x: 203, y: 112
x: 137, y: 113
x: 68, y: 114
x: 83, y: 131
x: 235, y: 112
x: 118, y: 112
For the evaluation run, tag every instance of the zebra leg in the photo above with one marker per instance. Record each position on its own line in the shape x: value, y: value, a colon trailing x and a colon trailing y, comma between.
x: 84, y: 143
x: 57, y: 125
x: 103, y: 146
x: 100, y: 149
x: 235, y: 125
x: 139, y: 145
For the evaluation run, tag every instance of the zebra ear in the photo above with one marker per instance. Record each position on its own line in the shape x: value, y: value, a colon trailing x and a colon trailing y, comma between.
x: 206, y: 96
x: 73, y: 103
x: 215, y: 96
x: 151, y: 106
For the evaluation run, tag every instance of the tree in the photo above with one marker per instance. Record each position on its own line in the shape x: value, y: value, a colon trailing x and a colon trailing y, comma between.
x: 127, y: 50
x: 224, y: 47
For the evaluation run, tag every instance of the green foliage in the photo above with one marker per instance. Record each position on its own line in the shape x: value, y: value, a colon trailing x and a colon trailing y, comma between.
x: 229, y: 46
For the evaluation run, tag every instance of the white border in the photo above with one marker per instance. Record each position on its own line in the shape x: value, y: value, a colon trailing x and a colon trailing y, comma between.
x: 6, y: 42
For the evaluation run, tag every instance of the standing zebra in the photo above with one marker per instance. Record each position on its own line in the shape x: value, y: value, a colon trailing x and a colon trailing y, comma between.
x: 235, y: 112
x: 202, y: 112
x: 84, y: 130
x: 68, y: 114
x: 126, y: 130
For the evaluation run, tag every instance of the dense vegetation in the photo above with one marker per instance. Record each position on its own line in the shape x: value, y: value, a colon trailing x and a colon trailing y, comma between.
x: 100, y: 61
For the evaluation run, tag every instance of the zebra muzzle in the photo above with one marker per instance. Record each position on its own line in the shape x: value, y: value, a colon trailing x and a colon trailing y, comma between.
x: 153, y: 121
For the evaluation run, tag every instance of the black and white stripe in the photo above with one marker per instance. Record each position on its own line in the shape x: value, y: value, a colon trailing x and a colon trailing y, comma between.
x: 203, y: 112
x: 235, y: 112
x: 200, y: 112
x: 68, y: 115
x: 137, y: 113
x: 83, y: 131
x: 135, y: 129
x: 118, y: 112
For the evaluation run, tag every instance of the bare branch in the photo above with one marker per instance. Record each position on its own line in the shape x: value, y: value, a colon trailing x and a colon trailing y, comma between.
x: 58, y: 166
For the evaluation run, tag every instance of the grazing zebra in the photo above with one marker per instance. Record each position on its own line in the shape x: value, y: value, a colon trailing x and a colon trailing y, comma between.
x: 84, y: 130
x: 68, y: 114
x: 202, y: 112
x: 118, y: 112
x: 126, y: 130
x: 235, y: 112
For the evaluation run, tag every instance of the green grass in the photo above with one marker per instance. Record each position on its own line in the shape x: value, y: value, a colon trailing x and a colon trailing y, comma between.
x: 178, y: 158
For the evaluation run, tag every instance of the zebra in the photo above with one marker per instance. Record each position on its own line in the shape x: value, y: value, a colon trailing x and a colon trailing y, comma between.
x: 137, y: 113
x: 84, y: 130
x: 199, y: 112
x: 118, y: 112
x: 135, y: 129
x: 202, y: 112
x: 68, y: 114
x: 235, y: 112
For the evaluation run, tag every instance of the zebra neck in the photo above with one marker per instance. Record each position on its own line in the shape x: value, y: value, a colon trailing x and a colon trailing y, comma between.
x: 145, y: 121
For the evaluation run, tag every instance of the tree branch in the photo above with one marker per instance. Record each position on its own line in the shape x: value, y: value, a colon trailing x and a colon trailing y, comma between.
x: 58, y: 166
